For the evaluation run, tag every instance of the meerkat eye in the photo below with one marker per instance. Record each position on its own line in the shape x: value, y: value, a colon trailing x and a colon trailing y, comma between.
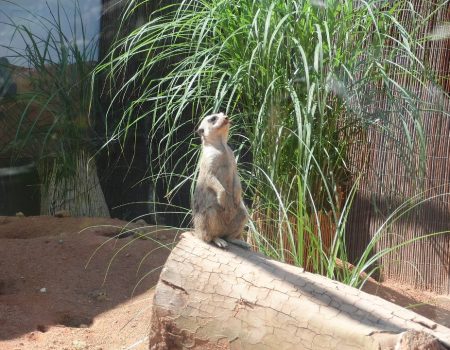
x: 213, y: 119
x: 200, y: 131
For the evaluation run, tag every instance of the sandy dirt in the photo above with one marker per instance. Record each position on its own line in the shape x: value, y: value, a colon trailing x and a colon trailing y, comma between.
x: 431, y: 305
x: 49, y: 299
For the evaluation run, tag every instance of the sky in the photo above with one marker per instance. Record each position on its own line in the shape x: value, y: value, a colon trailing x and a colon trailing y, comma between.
x: 34, y: 13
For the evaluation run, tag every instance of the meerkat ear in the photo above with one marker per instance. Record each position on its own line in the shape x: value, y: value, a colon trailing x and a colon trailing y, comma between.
x: 200, y: 131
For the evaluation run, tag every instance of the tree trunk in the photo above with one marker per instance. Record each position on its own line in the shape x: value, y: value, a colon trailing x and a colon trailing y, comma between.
x: 209, y: 298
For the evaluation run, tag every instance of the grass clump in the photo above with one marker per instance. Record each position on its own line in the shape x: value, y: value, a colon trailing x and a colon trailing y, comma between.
x: 51, y: 117
x: 302, y: 81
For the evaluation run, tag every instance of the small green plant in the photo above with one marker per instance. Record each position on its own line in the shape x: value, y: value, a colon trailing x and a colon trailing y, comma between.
x: 302, y: 81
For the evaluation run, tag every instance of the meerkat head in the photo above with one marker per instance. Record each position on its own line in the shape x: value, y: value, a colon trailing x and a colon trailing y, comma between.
x: 214, y: 127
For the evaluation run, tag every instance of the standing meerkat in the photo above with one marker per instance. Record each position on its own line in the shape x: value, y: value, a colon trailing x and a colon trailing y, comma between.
x: 218, y: 210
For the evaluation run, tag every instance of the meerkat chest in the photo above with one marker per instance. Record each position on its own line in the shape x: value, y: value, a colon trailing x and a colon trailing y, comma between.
x: 212, y: 154
x: 218, y: 161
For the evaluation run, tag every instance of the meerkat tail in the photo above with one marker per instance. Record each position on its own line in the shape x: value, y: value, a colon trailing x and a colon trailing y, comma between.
x: 239, y: 243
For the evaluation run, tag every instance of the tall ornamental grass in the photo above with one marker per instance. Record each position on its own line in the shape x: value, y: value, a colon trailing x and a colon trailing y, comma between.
x: 301, y: 80
x: 51, y: 118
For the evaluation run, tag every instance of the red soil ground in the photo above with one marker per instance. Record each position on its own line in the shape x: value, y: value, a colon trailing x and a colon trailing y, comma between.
x: 49, y: 299
x: 76, y: 310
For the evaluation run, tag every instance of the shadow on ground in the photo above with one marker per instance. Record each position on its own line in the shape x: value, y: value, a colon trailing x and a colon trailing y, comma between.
x: 436, y: 308
x: 44, y: 281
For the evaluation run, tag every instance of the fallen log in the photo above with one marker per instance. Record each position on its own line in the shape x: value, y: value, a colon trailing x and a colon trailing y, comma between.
x: 209, y: 298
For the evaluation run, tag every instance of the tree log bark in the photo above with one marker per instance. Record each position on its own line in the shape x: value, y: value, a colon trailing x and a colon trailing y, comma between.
x: 208, y: 298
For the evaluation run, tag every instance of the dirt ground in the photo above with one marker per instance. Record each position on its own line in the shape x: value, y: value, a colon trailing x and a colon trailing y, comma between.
x: 49, y: 299
x: 64, y: 289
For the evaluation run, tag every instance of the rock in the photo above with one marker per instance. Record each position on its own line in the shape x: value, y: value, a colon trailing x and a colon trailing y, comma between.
x: 415, y: 340
x: 62, y: 214
x: 43, y: 290
x: 140, y: 222
x: 79, y: 345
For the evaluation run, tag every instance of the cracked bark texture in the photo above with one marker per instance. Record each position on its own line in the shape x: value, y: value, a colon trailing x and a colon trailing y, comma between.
x: 209, y: 298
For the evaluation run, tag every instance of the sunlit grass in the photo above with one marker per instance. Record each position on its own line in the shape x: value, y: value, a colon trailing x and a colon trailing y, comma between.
x: 301, y: 80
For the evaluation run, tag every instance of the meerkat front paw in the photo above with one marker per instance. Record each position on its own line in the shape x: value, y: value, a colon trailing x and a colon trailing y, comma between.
x: 222, y: 199
x: 221, y: 243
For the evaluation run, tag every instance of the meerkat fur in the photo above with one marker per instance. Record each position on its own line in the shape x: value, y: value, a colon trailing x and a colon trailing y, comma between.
x: 219, y: 213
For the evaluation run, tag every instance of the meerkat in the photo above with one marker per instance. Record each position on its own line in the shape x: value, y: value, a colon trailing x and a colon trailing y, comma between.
x: 219, y: 213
